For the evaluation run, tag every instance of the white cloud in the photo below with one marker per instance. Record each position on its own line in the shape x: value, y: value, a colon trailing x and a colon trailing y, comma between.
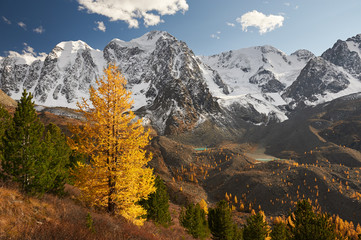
x: 31, y: 52
x: 6, y: 20
x: 287, y: 4
x: 21, y: 24
x: 216, y: 35
x: 230, y: 24
x: 39, y: 30
x: 27, y: 55
x: 101, y: 26
x: 28, y: 50
x: 131, y: 11
x: 261, y: 21
x: 296, y: 7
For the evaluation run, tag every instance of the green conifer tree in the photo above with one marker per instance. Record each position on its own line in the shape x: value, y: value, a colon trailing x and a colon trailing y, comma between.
x: 22, y: 145
x: 279, y: 231
x: 55, y: 155
x: 237, y: 233
x: 193, y: 218
x: 306, y: 224
x: 157, y: 204
x: 5, y: 120
x: 256, y: 228
x: 39, y: 163
x: 221, y: 224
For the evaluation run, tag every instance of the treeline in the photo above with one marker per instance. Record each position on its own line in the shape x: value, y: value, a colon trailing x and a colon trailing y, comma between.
x: 304, y: 223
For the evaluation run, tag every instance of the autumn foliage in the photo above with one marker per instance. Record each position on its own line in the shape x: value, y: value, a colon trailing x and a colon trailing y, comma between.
x: 116, y: 176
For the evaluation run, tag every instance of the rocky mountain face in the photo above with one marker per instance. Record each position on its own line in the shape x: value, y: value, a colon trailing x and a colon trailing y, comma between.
x: 59, y: 79
x: 176, y: 90
x: 317, y: 79
x: 335, y: 74
x: 256, y: 78
x: 346, y: 54
x: 167, y: 80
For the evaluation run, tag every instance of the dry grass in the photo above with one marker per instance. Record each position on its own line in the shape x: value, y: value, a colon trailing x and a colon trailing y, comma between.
x: 18, y: 211
x: 7, y: 101
x: 23, y: 217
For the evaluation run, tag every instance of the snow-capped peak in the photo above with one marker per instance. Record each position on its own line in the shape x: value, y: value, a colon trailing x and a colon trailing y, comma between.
x: 238, y: 67
x: 171, y: 86
x: 146, y: 42
x: 66, y: 52
x: 356, y: 38
x: 303, y: 54
x: 73, y: 46
x: 153, y: 36
x: 269, y: 49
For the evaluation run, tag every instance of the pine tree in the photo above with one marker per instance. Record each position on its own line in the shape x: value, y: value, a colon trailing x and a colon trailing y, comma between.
x: 279, y: 231
x: 306, y: 224
x: 56, y: 153
x: 256, y: 228
x: 38, y: 163
x: 237, y: 233
x: 116, y: 177
x: 5, y: 121
x: 220, y: 222
x: 193, y: 218
x: 157, y: 204
x: 22, y: 160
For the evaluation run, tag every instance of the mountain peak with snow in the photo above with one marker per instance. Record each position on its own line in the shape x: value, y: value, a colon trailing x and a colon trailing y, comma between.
x: 73, y: 46
x: 346, y: 54
x: 303, y: 54
x: 356, y: 38
x: 177, y: 90
x: 146, y: 42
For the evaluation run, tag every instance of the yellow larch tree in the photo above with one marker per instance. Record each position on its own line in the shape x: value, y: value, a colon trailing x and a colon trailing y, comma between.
x: 116, y: 176
x: 203, y: 204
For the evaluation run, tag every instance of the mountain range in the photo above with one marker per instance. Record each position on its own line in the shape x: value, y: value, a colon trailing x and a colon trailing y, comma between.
x: 176, y: 91
x: 248, y: 107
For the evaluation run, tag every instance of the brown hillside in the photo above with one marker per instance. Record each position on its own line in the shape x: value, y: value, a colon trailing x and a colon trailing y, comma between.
x: 327, y: 173
x: 319, y: 148
x: 7, y: 101
x: 23, y: 217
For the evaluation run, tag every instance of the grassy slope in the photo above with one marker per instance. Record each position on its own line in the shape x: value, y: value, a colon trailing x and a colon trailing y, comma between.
x: 23, y: 217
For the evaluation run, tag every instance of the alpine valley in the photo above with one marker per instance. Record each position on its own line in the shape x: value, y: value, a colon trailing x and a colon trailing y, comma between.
x: 244, y: 108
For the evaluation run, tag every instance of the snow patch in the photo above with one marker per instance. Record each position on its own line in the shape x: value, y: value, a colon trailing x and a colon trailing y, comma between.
x: 354, y: 47
x: 146, y: 42
x: 138, y: 95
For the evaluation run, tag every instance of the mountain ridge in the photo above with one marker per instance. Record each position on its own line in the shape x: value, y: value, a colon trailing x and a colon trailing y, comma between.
x: 177, y: 90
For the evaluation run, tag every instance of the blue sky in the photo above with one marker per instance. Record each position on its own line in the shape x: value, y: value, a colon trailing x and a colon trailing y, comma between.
x: 207, y: 26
